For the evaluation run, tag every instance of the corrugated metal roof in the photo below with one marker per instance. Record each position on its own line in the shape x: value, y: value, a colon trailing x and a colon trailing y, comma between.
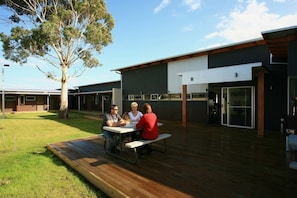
x: 32, y: 92
x: 91, y: 92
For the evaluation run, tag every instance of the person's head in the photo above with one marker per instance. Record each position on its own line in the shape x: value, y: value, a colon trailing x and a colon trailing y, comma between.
x: 114, y: 109
x: 147, y: 108
x: 126, y: 116
x: 134, y: 106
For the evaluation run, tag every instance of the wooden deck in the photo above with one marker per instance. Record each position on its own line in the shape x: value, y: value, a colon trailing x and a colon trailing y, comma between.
x: 201, y: 161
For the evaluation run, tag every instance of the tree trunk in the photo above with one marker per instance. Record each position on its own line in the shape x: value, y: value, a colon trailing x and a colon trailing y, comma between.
x: 64, y: 94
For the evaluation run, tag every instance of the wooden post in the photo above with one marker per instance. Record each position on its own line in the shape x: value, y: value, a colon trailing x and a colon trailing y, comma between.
x: 184, y: 106
x: 260, y: 101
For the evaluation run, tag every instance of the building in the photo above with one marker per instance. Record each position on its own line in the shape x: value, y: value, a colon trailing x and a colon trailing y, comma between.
x: 31, y: 100
x: 250, y: 84
x: 95, y: 97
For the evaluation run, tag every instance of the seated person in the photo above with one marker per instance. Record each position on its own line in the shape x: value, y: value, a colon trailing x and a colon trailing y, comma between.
x: 126, y: 118
x: 111, y: 119
x: 148, y: 125
x: 127, y: 137
x: 134, y: 114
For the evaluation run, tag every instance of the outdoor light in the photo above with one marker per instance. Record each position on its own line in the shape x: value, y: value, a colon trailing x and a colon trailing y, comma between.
x: 3, y: 96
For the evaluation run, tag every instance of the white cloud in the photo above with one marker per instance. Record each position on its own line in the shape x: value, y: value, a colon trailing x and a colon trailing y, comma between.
x: 212, y: 35
x: 162, y: 5
x: 279, y: 1
x: 193, y: 4
x: 245, y: 23
x: 188, y: 28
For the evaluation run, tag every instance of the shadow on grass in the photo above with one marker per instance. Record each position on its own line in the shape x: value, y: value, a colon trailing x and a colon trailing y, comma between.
x: 58, y: 162
x: 78, y: 121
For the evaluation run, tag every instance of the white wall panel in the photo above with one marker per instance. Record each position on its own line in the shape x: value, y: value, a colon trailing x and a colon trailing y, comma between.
x: 188, y: 65
x: 222, y: 74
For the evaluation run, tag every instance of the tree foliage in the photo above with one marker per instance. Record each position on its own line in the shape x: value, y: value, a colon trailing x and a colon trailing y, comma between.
x: 59, y: 31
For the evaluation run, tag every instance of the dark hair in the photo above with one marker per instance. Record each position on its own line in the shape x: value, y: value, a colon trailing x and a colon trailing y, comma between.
x: 113, y: 106
x: 126, y: 116
x: 147, y: 108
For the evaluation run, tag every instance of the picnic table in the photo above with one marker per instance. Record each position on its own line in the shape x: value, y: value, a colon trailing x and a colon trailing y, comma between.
x: 127, y: 150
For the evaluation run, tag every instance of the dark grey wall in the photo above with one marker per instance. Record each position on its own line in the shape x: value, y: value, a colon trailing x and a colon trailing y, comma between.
x: 292, y: 58
x: 241, y: 56
x: 148, y: 80
x: 275, y: 97
x: 100, y: 87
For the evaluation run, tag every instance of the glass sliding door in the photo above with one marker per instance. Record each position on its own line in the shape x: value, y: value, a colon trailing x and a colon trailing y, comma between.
x: 238, y: 106
x: 292, y: 91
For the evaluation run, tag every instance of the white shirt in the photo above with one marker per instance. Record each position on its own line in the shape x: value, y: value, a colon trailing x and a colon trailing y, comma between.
x: 135, y: 118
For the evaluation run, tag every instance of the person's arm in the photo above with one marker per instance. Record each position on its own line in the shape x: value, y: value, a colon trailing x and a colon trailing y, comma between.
x: 110, y: 123
x: 140, y: 123
x: 120, y: 122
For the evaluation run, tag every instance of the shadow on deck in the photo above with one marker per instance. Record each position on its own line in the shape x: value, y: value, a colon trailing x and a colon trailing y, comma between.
x: 201, y: 161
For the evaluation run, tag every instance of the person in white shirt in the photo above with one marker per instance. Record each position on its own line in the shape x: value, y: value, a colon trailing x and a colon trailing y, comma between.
x: 134, y: 114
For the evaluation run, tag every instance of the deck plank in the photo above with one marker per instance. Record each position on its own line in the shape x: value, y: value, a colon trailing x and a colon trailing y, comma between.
x: 118, y: 182
x: 201, y: 161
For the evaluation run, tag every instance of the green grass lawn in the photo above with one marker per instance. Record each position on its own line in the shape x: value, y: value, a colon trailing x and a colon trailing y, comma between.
x: 28, y: 169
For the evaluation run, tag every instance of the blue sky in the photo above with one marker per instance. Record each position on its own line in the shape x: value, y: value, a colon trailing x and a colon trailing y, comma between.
x: 147, y: 30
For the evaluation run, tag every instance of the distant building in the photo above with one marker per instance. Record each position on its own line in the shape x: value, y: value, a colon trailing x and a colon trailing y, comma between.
x: 30, y: 100
x: 95, y: 97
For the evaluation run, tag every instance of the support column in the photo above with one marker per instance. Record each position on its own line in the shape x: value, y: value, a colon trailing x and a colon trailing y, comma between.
x: 78, y: 103
x: 48, y: 102
x: 18, y: 107
x: 184, y: 106
x: 260, y: 100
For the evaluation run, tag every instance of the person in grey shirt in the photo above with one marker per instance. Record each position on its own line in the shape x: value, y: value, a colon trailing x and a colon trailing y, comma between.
x: 112, y: 119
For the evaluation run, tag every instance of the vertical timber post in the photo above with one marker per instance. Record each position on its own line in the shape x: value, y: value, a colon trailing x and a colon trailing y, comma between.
x: 184, y: 106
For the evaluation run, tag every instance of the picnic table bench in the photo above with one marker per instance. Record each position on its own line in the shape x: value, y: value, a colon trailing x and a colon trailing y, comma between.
x: 125, y: 154
x: 291, y: 137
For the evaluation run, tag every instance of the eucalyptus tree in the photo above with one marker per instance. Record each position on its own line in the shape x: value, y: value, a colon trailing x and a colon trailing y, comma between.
x: 61, y: 32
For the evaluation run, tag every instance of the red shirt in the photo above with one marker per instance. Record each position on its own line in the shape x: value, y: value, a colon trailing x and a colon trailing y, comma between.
x: 149, y: 125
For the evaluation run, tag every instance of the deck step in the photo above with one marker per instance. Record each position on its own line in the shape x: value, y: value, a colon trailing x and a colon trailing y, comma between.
x: 293, y: 165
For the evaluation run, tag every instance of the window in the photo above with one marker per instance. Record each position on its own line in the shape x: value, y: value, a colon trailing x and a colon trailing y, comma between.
x: 130, y: 97
x: 154, y: 96
x: 277, y: 60
x: 199, y: 96
x: 176, y: 96
x: 146, y: 96
x: 22, y: 100
x: 164, y: 97
x: 189, y: 96
x: 10, y: 98
x: 30, y: 98
x: 138, y: 97
x: 106, y: 97
x: 96, y: 99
